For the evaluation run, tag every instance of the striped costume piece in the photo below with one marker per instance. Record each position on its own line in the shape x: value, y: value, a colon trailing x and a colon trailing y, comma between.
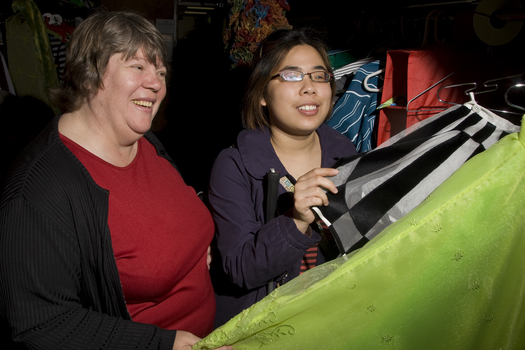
x: 379, y: 187
x: 350, y: 68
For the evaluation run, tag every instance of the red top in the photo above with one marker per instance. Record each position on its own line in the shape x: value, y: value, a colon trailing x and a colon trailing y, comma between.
x: 160, y: 231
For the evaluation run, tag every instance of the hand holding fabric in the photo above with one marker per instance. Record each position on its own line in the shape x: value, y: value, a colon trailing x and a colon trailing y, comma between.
x: 310, y: 190
x: 186, y: 340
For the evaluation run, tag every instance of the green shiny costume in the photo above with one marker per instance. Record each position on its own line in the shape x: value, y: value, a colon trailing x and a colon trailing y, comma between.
x: 449, y: 275
x: 31, y: 64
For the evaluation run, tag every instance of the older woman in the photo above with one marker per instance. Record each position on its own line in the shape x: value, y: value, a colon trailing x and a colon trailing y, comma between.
x: 102, y: 244
x: 288, y: 98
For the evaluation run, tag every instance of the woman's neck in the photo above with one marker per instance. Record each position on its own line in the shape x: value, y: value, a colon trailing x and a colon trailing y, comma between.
x: 298, y: 154
x: 97, y: 138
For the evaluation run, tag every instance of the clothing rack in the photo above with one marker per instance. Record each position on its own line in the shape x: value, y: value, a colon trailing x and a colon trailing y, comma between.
x: 63, y: 3
x: 376, y: 30
x: 66, y: 9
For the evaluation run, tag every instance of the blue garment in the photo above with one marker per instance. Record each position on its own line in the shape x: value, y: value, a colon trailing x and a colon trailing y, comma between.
x: 354, y: 113
x: 250, y: 252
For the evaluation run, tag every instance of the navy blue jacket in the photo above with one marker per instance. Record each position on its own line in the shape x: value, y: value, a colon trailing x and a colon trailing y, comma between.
x: 251, y: 252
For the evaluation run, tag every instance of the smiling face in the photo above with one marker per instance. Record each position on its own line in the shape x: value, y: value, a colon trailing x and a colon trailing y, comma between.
x: 298, y: 108
x: 130, y: 96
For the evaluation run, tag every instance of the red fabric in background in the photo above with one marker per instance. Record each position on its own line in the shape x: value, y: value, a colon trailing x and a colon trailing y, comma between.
x: 410, y: 72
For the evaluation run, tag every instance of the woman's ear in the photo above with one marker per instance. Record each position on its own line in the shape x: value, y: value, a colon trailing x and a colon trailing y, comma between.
x: 263, y: 101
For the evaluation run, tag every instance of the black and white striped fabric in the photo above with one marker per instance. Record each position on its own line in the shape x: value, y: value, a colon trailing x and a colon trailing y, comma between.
x: 379, y: 187
x: 58, y: 49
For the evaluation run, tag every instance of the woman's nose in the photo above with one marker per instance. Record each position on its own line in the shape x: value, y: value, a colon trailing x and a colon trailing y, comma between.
x: 308, y: 86
x: 154, y: 81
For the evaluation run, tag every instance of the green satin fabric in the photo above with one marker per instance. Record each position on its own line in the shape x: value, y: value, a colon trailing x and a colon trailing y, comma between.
x: 449, y: 275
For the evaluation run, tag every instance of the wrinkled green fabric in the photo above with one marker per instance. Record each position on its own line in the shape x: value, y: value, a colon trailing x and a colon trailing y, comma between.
x: 449, y: 275
x: 31, y: 64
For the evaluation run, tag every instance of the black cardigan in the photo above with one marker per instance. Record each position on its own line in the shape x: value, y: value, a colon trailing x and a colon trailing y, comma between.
x: 59, y: 283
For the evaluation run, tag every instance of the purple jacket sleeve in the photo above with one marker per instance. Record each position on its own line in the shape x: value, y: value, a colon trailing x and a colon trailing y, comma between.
x: 251, y: 251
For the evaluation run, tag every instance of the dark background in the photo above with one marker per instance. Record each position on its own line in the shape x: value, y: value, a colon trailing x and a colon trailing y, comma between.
x: 200, y: 115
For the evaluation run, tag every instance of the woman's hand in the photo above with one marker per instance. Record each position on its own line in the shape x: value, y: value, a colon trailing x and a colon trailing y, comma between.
x: 208, y: 257
x: 185, y: 340
x: 310, y: 191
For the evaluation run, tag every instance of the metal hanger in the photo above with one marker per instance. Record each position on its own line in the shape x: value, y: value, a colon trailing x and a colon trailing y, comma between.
x: 492, y: 83
x: 424, y: 92
x: 467, y: 92
x: 507, y: 97
x: 492, y: 86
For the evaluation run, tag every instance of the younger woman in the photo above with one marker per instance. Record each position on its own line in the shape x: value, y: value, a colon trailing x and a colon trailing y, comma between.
x: 289, y: 97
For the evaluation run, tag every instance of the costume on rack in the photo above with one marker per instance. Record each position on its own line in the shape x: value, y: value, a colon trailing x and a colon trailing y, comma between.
x: 408, y: 76
x: 31, y: 62
x: 381, y: 186
x: 6, y: 83
x: 449, y: 275
x: 355, y: 112
x: 250, y: 21
x: 250, y: 252
x: 413, y: 78
x: 58, y: 49
x: 343, y: 75
x: 63, y: 288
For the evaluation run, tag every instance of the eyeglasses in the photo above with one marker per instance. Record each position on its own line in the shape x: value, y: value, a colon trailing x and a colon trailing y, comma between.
x: 319, y: 76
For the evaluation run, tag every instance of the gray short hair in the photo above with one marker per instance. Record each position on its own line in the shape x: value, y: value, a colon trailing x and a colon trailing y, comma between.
x: 93, y: 42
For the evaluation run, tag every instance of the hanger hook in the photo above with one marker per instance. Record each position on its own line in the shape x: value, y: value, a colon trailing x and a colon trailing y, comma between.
x: 467, y: 92
x: 507, y: 96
